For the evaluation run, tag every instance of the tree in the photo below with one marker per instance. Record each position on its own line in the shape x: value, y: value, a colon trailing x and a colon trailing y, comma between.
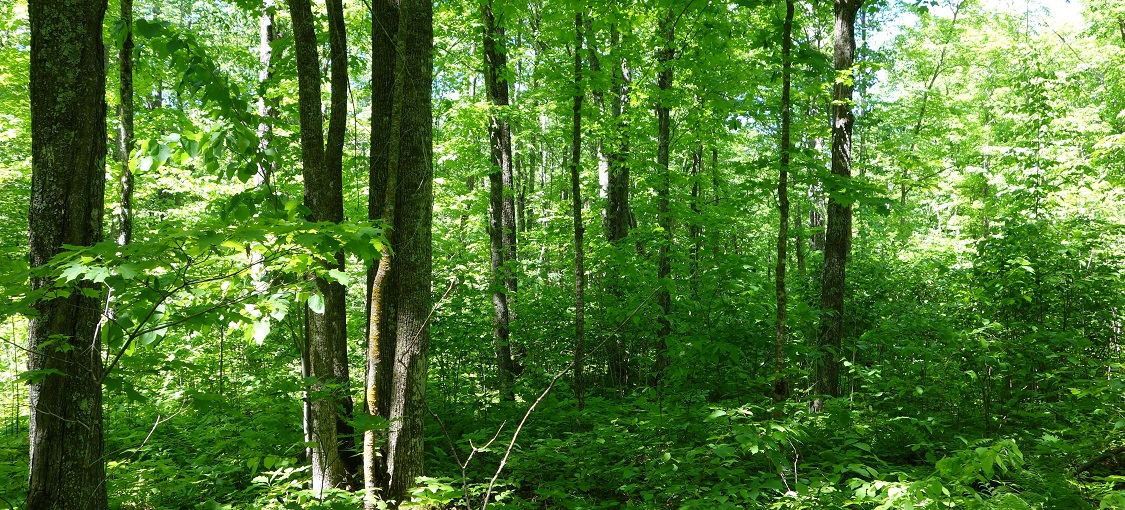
x: 68, y: 128
x: 125, y: 133
x: 267, y: 106
x: 576, y: 211
x: 326, y: 332
x: 667, y: 32
x: 501, y: 197
x: 613, y: 151
x: 380, y: 206
x: 401, y: 301
x: 780, y: 383
x: 839, y: 232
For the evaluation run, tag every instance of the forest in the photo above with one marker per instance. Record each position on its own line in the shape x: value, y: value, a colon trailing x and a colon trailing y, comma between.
x: 574, y: 254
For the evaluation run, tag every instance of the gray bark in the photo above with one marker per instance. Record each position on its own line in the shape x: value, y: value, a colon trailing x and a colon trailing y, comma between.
x: 501, y: 218
x: 579, y: 229
x: 380, y: 206
x: 838, y: 234
x: 125, y: 135
x: 68, y: 127
x: 401, y: 294
x: 326, y: 338
x: 663, y: 145
x: 780, y: 382
x: 267, y: 33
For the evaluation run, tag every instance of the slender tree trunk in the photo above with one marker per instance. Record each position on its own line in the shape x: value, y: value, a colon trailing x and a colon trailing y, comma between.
x: 68, y: 129
x: 663, y: 143
x: 799, y: 241
x: 579, y: 229
x: 696, y: 228
x: 401, y: 300
x: 838, y: 235
x: 322, y: 169
x: 125, y: 130
x: 267, y: 34
x: 613, y: 168
x: 619, y: 214
x: 380, y: 206
x: 501, y: 223
x: 334, y: 156
x: 781, y: 337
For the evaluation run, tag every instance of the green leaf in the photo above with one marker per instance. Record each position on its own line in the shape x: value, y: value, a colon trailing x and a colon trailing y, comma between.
x: 261, y: 331
x: 339, y: 276
x: 316, y: 303
x: 73, y: 271
x: 37, y: 376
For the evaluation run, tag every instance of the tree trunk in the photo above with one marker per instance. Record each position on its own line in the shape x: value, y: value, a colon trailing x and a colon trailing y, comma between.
x: 501, y: 222
x: 401, y: 299
x: 663, y: 143
x: 267, y: 34
x: 780, y: 382
x: 838, y: 235
x: 619, y: 214
x: 695, y: 229
x: 579, y: 229
x: 326, y: 337
x: 68, y: 130
x: 614, y: 149
x: 380, y: 205
x: 125, y: 133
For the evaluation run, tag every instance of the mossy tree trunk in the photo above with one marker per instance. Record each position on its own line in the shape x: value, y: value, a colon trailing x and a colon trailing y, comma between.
x: 68, y: 144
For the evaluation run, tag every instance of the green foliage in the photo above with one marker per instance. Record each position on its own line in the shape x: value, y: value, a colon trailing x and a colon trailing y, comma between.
x: 982, y: 356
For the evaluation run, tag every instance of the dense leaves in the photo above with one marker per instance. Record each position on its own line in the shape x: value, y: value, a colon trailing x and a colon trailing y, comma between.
x: 981, y: 361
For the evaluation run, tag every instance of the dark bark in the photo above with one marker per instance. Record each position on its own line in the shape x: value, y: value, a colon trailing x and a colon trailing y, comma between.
x: 612, y: 161
x: 322, y: 171
x: 619, y: 215
x: 401, y: 295
x: 838, y: 234
x: 125, y: 134
x: 414, y: 203
x: 799, y: 241
x: 695, y: 229
x: 68, y: 129
x: 780, y: 382
x: 380, y: 206
x: 579, y: 229
x: 502, y: 218
x: 664, y: 215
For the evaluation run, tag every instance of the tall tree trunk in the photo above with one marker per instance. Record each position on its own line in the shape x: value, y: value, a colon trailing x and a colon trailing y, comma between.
x: 579, y: 229
x: 326, y: 337
x: 663, y: 143
x: 267, y: 109
x: 125, y: 136
x: 68, y: 129
x: 334, y: 156
x: 799, y: 240
x: 502, y: 219
x: 380, y: 206
x: 838, y: 235
x: 780, y: 382
x: 618, y: 219
x: 401, y: 299
x: 695, y: 230
x: 619, y: 214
